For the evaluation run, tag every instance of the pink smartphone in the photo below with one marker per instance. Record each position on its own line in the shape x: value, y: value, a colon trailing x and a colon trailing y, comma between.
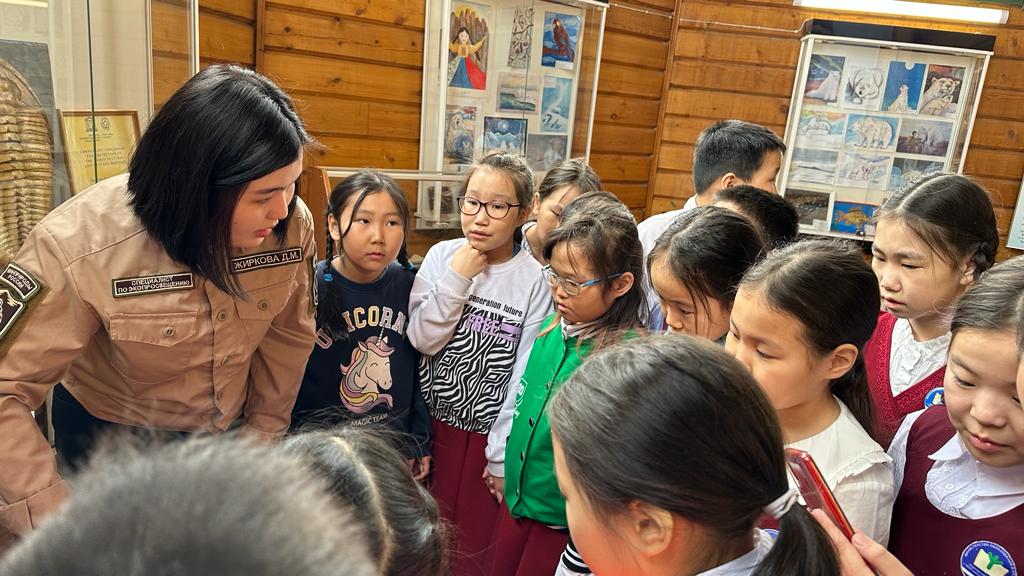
x: 813, y: 488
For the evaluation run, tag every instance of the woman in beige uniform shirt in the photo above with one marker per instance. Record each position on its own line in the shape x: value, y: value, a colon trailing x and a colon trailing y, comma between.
x: 176, y: 297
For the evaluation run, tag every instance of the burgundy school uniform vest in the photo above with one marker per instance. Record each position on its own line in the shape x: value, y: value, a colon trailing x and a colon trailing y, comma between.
x: 931, y: 543
x: 889, y: 411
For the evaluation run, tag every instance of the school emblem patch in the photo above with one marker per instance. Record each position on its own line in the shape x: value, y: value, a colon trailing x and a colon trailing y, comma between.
x: 985, y: 558
x: 17, y: 288
x: 934, y: 397
x: 266, y: 260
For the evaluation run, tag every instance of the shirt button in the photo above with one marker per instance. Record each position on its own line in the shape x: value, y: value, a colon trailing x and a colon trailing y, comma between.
x: 522, y: 456
x: 220, y: 394
x: 168, y: 332
x: 517, y: 491
x: 222, y: 315
x: 531, y: 422
x: 950, y: 486
x: 263, y: 305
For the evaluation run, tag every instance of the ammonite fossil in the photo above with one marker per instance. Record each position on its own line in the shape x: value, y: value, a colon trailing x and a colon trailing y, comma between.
x: 26, y: 161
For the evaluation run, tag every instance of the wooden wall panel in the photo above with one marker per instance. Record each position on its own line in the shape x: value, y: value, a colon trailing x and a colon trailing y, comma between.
x: 738, y: 60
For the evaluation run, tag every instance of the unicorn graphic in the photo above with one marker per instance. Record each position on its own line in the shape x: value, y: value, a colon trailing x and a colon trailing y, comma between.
x: 368, y: 372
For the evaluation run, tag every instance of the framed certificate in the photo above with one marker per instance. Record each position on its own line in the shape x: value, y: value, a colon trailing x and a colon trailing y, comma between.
x: 97, y: 144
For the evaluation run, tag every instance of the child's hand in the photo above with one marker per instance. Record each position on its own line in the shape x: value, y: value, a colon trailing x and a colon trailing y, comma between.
x: 862, y: 557
x: 468, y: 261
x: 419, y: 467
x: 495, y: 485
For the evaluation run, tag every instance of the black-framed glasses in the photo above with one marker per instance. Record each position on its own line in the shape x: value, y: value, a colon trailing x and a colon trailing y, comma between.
x: 471, y: 207
x: 572, y: 287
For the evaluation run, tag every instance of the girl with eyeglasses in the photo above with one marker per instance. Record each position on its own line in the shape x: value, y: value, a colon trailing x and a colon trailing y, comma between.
x: 476, y: 306
x: 594, y: 272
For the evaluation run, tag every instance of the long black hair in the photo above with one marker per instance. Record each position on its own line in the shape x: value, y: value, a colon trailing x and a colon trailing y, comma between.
x: 367, y: 475
x: 224, y: 128
x: 995, y: 302
x: 676, y: 422
x: 828, y: 287
x: 354, y: 188
x: 708, y: 249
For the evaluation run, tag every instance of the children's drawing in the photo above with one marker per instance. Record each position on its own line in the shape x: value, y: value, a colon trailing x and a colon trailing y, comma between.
x: 460, y: 134
x: 903, y: 87
x: 942, y: 90
x: 820, y: 129
x: 504, y: 134
x: 811, y: 207
x: 467, y: 47
x: 907, y: 169
x: 561, y: 34
x: 871, y: 132
x: 518, y: 92
x: 555, y: 104
x: 863, y: 88
x: 520, y: 44
x: 926, y: 137
x: 823, y: 79
x: 850, y: 217
x: 544, y: 151
x: 863, y: 170
x: 817, y: 166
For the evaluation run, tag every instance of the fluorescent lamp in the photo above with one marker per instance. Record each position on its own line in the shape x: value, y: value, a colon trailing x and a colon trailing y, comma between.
x: 915, y: 9
x: 29, y: 3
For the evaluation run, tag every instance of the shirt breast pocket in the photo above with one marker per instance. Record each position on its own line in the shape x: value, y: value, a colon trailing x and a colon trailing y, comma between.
x: 151, y: 348
x: 262, y: 306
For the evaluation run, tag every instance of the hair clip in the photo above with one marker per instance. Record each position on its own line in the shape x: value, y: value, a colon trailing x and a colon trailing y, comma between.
x: 328, y: 277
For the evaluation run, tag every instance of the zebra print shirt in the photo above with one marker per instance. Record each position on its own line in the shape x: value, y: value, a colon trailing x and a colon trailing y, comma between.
x: 475, y: 335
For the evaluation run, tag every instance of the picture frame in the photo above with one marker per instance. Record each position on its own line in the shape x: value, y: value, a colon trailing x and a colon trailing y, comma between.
x: 97, y: 144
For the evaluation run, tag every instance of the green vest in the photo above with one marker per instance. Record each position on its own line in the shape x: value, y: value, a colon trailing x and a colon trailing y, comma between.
x: 531, y: 489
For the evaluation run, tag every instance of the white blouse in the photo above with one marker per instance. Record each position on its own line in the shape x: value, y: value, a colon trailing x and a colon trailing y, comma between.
x: 858, y: 471
x: 911, y: 361
x: 957, y: 484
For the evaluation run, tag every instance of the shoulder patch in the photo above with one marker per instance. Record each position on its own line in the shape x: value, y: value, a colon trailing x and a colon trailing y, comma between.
x: 17, y: 288
x: 266, y: 260
x: 172, y: 282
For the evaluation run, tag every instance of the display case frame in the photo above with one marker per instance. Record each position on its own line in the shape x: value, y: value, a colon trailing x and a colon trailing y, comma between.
x: 873, y: 107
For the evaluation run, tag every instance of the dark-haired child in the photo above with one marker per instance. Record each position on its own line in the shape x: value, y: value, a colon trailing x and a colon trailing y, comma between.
x: 696, y: 266
x: 363, y: 369
x: 933, y: 238
x: 594, y: 266
x: 773, y: 216
x: 800, y: 320
x: 668, y: 453
x: 959, y: 467
x: 560, y: 185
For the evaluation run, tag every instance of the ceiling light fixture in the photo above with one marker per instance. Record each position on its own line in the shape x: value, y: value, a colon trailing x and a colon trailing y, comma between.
x: 914, y: 9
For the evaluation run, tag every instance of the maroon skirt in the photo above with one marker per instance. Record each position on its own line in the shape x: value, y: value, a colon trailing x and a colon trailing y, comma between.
x: 524, y: 547
x: 458, y: 486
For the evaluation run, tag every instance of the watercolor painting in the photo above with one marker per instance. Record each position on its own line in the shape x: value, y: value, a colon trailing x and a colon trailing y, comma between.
x: 544, y: 151
x: 925, y: 137
x: 521, y: 44
x: 811, y: 207
x: 943, y: 86
x: 518, y: 92
x: 863, y: 170
x: 460, y: 134
x: 504, y: 134
x: 823, y: 79
x: 863, y: 87
x: 851, y: 217
x: 557, y: 98
x: 871, y: 132
x: 820, y: 129
x: 816, y: 166
x: 467, y: 47
x: 903, y: 87
x: 907, y: 169
x: 561, y: 35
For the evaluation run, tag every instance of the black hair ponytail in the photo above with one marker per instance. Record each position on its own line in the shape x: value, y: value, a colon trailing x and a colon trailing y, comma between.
x: 802, y: 547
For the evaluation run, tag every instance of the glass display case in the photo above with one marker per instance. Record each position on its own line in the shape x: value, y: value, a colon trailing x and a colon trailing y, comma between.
x: 515, y: 75
x: 872, y: 108
x: 76, y: 88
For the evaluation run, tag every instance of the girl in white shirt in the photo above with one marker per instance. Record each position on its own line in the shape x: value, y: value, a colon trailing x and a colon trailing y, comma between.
x: 799, y: 323
x: 667, y: 453
x: 959, y: 467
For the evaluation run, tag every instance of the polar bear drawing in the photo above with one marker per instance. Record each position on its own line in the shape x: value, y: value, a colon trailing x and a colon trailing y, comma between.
x: 863, y: 85
x: 872, y: 133
x: 828, y: 90
x: 940, y: 93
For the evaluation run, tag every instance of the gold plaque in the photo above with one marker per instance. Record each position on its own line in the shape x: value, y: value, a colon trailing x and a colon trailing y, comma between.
x: 97, y: 145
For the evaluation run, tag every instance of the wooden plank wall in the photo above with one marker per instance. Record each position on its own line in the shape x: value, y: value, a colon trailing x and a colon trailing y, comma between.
x: 738, y: 59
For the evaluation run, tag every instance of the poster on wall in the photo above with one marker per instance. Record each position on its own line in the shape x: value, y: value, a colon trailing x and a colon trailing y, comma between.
x: 520, y: 45
x: 98, y: 144
x: 869, y: 116
x: 505, y: 135
x: 468, y: 46
x: 561, y: 34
